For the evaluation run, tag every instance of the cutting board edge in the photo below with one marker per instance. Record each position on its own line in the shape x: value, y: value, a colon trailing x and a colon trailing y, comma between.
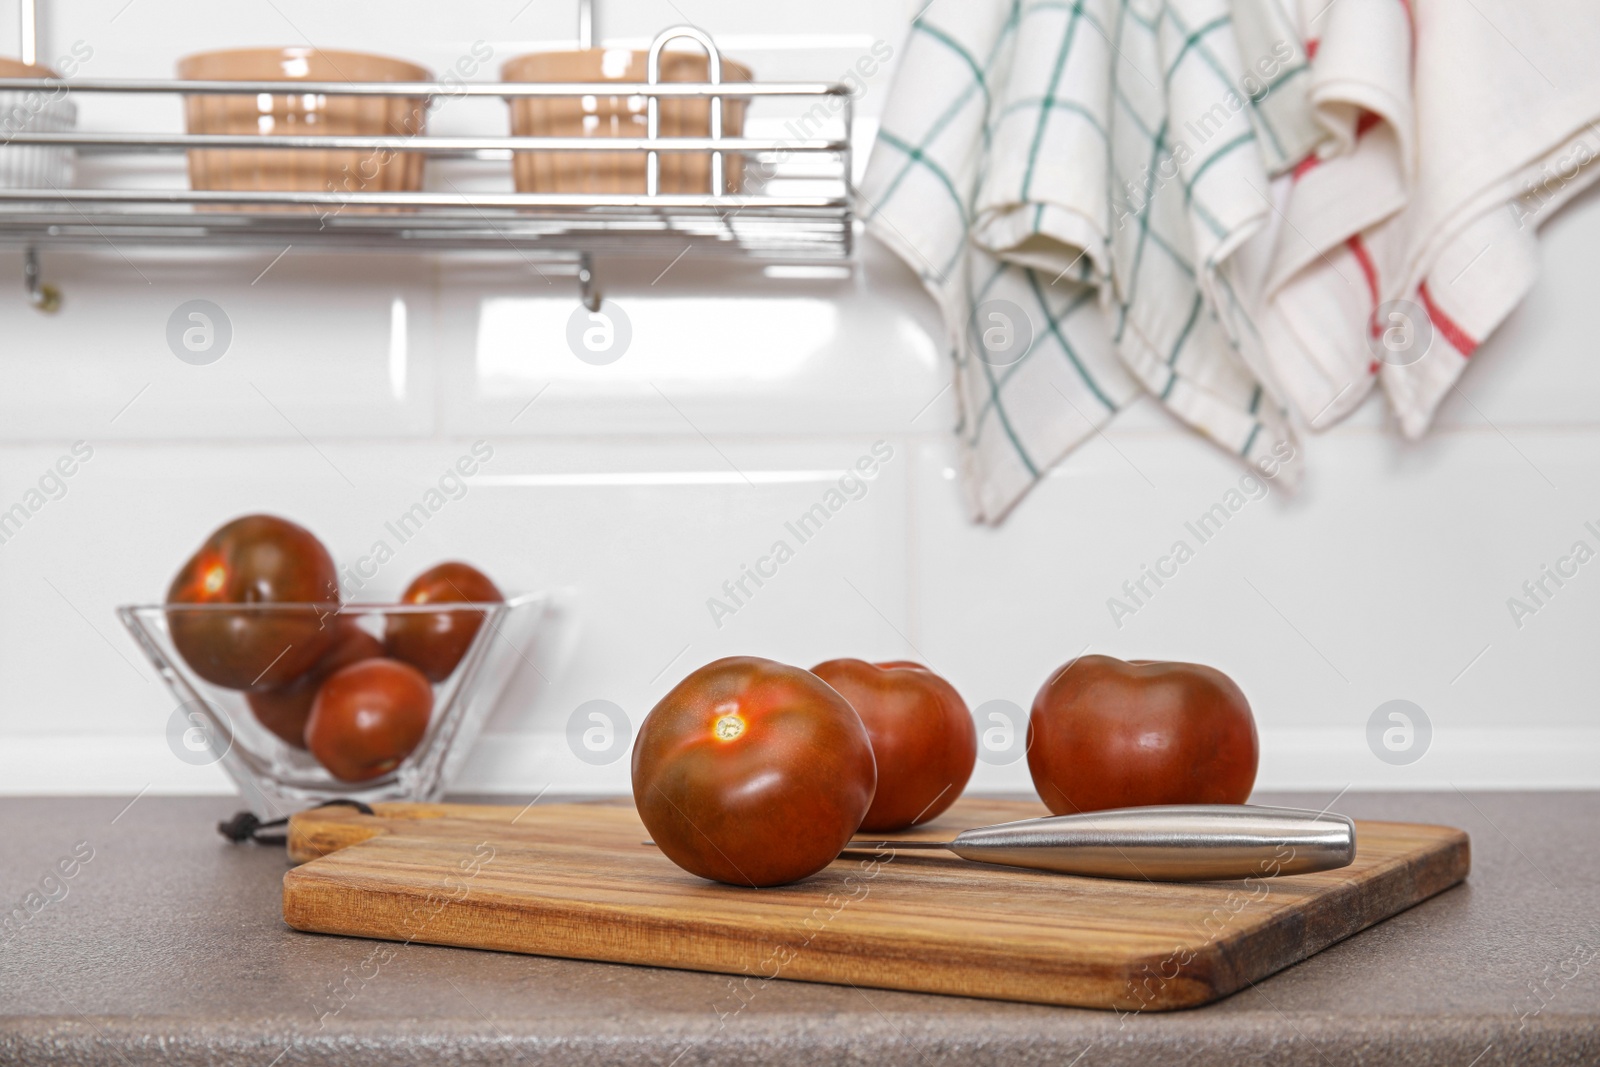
x: 314, y: 903
x: 1419, y: 878
x: 318, y: 901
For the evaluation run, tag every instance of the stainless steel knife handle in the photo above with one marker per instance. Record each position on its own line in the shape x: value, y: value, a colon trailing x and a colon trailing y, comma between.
x: 1186, y: 843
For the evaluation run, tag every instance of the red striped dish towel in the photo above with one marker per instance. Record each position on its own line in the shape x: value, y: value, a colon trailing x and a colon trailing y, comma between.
x: 1451, y: 130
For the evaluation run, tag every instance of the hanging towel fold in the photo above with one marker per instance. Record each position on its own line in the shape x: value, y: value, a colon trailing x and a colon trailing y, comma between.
x: 1074, y: 181
x: 1239, y: 208
x: 1454, y: 129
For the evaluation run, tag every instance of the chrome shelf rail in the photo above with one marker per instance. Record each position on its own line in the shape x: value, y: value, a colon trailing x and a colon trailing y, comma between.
x: 458, y: 147
x: 726, y: 90
x: 766, y: 221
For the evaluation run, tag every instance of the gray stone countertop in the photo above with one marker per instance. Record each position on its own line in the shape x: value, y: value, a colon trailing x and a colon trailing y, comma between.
x: 167, y: 946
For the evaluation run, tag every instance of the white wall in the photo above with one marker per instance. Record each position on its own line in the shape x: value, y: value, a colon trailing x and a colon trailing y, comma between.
x: 1387, y: 577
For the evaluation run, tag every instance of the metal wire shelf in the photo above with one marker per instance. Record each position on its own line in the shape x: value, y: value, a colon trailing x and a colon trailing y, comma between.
x: 761, y: 222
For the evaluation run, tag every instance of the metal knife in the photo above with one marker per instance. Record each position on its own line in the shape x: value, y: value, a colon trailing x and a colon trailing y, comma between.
x: 1182, y: 843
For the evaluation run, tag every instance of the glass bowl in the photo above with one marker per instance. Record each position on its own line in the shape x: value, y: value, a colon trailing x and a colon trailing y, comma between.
x: 213, y: 724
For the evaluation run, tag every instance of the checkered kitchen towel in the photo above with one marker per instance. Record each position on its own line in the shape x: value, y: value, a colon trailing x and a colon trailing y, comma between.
x: 1453, y: 131
x: 1074, y: 180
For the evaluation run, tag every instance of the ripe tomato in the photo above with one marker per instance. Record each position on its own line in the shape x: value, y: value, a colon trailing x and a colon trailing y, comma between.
x: 257, y: 559
x: 368, y: 717
x: 921, y: 732
x: 752, y: 772
x: 285, y: 710
x: 1109, y: 734
x: 434, y: 644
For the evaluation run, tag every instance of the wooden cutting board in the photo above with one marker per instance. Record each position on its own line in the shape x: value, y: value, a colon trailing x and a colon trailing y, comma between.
x: 579, y: 880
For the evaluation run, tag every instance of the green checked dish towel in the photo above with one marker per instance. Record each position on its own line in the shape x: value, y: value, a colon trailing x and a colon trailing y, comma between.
x: 1076, y: 182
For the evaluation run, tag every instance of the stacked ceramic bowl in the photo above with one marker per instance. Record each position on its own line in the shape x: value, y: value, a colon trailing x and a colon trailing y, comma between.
x: 621, y: 115
x: 290, y: 113
x: 34, y: 111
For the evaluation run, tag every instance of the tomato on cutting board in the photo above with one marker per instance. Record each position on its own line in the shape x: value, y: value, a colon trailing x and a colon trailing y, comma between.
x: 922, y: 737
x: 368, y: 717
x: 434, y: 643
x: 257, y: 559
x: 752, y: 772
x: 1105, y: 733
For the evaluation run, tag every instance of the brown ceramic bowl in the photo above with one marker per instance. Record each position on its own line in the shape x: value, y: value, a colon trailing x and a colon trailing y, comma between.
x: 31, y: 166
x: 304, y: 170
x: 618, y: 116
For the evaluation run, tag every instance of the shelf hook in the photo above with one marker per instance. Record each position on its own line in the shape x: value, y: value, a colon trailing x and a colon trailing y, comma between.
x: 46, y: 298
x: 587, y: 290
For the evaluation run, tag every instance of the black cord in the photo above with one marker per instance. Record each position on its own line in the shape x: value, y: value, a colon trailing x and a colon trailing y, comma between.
x: 245, y: 826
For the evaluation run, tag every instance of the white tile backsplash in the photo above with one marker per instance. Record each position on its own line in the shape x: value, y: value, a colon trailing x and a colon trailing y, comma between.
x: 334, y: 346
x: 633, y: 491
x: 717, y: 347
x: 1385, y: 578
